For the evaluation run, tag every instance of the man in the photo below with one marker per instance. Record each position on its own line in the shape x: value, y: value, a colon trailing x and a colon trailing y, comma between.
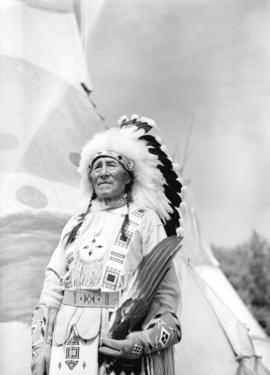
x: 92, y: 277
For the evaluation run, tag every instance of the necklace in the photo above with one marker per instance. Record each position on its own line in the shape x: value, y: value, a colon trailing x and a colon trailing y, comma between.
x: 114, y: 203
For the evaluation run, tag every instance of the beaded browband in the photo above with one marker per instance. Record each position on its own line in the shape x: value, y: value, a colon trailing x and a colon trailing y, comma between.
x: 124, y: 161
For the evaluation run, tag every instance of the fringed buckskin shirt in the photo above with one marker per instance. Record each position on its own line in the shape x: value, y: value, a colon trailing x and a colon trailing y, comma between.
x: 82, y: 265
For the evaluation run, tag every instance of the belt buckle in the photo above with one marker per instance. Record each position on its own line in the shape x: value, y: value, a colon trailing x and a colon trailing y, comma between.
x: 88, y: 298
x: 96, y: 298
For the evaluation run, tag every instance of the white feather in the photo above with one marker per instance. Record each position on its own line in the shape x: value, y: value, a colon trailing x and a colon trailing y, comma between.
x: 147, y: 188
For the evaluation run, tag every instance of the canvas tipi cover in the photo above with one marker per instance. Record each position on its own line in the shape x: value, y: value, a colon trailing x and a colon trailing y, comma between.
x: 46, y: 116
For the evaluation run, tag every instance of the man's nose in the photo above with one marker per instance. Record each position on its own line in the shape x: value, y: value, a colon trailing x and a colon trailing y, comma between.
x: 104, y: 170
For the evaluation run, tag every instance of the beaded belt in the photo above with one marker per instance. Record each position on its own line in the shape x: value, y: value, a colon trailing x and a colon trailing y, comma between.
x: 90, y: 298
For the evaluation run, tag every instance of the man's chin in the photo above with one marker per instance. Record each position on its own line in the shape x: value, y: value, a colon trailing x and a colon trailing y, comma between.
x: 104, y: 193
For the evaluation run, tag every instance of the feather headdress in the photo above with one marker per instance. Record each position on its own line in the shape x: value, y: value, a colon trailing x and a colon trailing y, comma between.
x: 155, y: 182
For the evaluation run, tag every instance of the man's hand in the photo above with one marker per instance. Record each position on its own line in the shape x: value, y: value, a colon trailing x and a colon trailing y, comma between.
x: 131, y: 348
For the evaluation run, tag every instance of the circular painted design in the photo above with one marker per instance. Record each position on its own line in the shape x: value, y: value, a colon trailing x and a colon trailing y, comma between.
x: 32, y: 197
x: 74, y: 157
x: 8, y: 141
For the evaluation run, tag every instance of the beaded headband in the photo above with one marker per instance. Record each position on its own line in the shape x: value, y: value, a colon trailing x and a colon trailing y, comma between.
x: 128, y: 164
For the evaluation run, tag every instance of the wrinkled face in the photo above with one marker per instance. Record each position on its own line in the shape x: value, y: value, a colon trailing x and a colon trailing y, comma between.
x: 108, y: 178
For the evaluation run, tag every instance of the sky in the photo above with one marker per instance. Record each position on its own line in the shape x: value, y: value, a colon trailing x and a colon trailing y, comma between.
x: 198, y: 66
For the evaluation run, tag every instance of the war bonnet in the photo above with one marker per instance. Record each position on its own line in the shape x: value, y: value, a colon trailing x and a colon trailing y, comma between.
x: 155, y: 182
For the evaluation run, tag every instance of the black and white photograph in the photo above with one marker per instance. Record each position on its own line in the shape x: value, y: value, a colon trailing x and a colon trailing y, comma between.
x: 134, y: 187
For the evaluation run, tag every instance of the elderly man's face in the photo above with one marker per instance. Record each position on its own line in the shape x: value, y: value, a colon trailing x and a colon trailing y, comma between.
x: 108, y: 178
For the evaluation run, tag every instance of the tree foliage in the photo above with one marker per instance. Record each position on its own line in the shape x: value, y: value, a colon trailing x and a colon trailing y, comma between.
x: 247, y: 266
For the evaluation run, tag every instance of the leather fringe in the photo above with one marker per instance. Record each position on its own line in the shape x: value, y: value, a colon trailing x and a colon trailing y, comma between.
x: 162, y: 363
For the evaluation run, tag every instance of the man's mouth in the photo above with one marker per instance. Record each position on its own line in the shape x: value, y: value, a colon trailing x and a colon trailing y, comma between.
x: 104, y: 183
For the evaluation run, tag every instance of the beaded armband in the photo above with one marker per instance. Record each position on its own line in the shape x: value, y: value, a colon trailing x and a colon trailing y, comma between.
x: 163, y: 331
x: 42, y: 327
x: 38, y: 328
